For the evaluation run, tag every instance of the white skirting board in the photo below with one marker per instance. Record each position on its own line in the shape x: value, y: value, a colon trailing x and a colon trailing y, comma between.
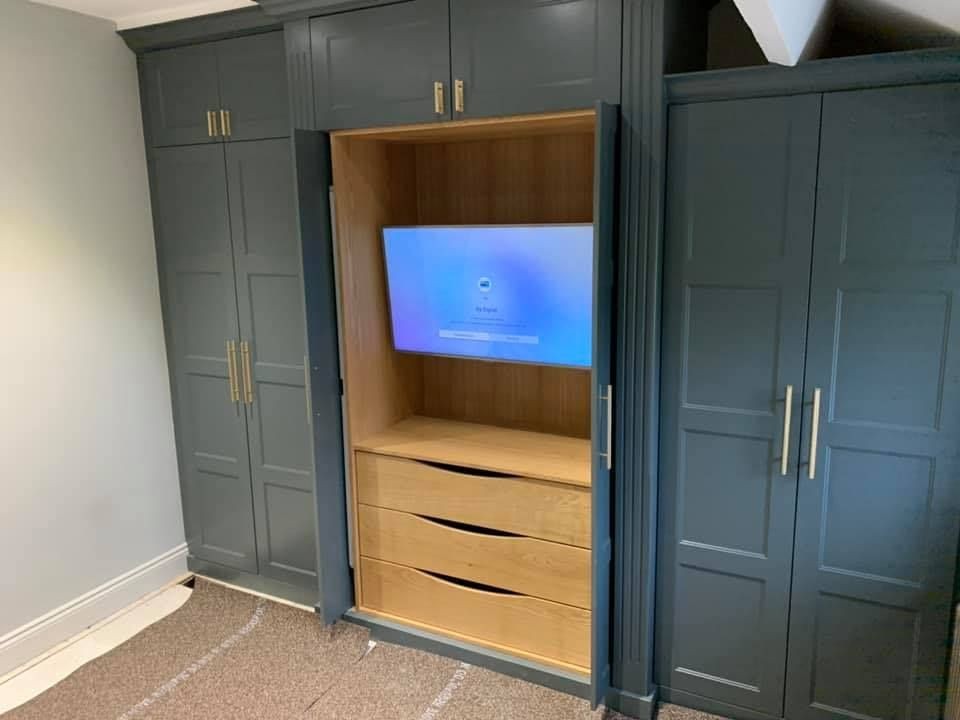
x: 953, y: 684
x: 37, y: 636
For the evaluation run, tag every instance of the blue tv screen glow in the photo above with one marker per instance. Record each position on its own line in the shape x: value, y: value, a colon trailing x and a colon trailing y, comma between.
x: 519, y: 293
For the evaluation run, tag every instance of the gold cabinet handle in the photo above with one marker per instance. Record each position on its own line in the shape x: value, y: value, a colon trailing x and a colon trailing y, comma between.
x: 211, y: 123
x: 225, y: 128
x: 458, y: 95
x: 787, y: 412
x: 232, y: 371
x: 438, y: 98
x: 247, y: 373
x: 814, y: 434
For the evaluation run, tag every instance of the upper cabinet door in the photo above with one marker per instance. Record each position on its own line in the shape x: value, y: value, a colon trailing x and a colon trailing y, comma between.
x: 253, y: 87
x: 530, y: 56
x: 878, y: 512
x: 379, y: 66
x: 182, y: 91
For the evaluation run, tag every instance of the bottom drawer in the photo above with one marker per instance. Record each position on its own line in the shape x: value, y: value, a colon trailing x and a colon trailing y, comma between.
x: 548, y: 630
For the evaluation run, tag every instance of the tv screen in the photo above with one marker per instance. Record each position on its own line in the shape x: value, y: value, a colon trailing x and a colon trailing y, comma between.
x: 520, y: 293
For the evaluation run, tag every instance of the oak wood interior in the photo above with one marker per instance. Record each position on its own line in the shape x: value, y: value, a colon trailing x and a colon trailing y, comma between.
x: 544, y: 630
x: 513, y: 171
x: 523, y: 453
x: 526, y: 565
x: 552, y: 511
x: 530, y: 422
x: 480, y: 128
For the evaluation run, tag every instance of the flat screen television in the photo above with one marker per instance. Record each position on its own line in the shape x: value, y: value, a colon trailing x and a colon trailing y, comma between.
x: 512, y: 293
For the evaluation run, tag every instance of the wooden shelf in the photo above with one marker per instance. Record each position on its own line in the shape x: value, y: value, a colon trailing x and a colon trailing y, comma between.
x: 484, y: 447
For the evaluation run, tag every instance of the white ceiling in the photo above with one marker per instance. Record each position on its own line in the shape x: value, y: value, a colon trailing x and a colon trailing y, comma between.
x: 134, y: 13
x: 785, y: 29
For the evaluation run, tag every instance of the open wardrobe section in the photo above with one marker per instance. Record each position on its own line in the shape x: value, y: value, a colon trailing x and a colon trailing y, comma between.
x: 479, y: 487
x: 810, y: 403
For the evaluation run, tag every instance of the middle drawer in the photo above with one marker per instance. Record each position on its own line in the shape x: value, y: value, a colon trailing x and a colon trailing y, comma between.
x: 521, y: 564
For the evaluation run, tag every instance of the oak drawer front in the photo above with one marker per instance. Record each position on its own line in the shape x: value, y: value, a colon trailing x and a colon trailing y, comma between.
x: 548, y: 630
x: 550, y: 511
x: 525, y: 565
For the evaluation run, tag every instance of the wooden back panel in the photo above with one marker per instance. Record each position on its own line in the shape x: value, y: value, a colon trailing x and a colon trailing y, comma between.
x: 533, y: 179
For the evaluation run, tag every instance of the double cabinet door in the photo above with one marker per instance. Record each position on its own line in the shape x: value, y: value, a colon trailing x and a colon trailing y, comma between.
x: 220, y: 91
x: 433, y: 60
x: 234, y: 308
x: 811, y: 404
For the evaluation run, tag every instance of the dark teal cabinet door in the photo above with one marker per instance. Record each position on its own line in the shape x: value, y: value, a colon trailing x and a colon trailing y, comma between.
x: 878, y: 523
x: 266, y: 247
x: 200, y: 311
x: 253, y: 86
x: 740, y: 208
x: 531, y: 56
x: 378, y: 66
x: 182, y: 87
x: 602, y: 396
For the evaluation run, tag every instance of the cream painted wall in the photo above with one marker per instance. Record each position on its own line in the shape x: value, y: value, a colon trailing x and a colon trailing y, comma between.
x: 88, y: 473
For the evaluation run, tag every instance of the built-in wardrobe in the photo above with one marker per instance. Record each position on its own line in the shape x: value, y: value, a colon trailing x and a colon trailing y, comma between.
x: 225, y: 212
x: 810, y: 404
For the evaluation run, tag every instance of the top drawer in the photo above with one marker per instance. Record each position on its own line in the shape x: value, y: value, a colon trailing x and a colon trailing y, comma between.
x: 535, y: 508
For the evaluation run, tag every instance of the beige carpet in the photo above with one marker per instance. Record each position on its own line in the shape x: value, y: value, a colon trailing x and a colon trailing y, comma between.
x: 231, y: 656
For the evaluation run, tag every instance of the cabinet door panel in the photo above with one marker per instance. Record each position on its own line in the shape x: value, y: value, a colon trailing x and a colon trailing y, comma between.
x: 263, y: 219
x: 200, y: 310
x: 532, y: 56
x: 742, y: 179
x: 181, y: 87
x: 253, y: 86
x: 601, y: 395
x: 877, y: 526
x: 378, y: 66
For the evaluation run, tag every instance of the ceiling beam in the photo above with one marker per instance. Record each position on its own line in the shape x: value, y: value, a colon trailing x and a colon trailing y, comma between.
x: 786, y: 30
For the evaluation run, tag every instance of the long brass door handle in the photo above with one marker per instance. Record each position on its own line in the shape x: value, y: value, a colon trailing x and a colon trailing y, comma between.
x: 814, y: 435
x: 247, y: 372
x: 787, y: 412
x: 438, y: 98
x: 608, y: 398
x: 211, y: 124
x: 458, y: 96
x: 232, y: 371
x: 225, y: 128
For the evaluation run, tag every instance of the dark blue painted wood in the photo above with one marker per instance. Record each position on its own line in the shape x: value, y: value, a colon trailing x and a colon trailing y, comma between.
x: 740, y: 207
x: 317, y: 7
x: 638, y: 353
x: 182, y: 85
x: 296, y: 40
x: 204, y: 28
x: 604, y: 254
x: 312, y: 162
x: 200, y: 310
x: 377, y: 66
x: 835, y: 74
x: 266, y: 257
x: 531, y: 56
x: 253, y: 86
x: 877, y: 527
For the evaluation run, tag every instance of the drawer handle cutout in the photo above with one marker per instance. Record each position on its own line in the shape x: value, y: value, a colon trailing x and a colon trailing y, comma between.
x: 466, y: 527
x: 470, y: 585
x: 461, y: 470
